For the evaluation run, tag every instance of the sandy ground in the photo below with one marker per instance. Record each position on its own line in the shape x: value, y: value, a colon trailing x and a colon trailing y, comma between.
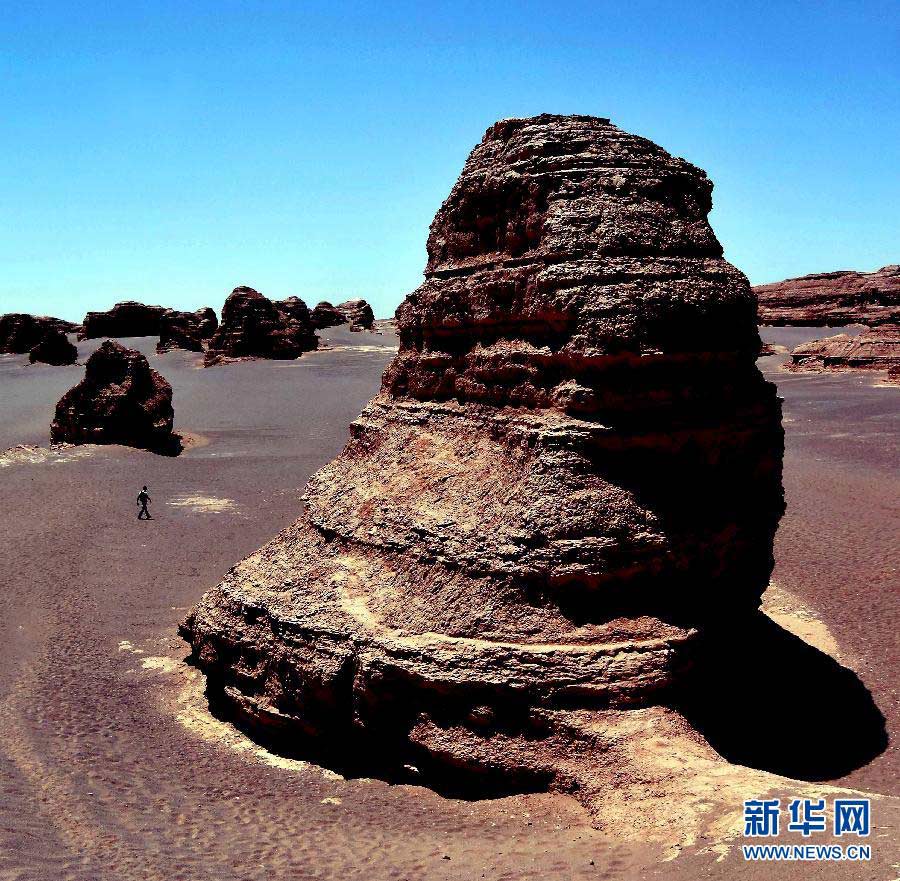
x: 112, y: 766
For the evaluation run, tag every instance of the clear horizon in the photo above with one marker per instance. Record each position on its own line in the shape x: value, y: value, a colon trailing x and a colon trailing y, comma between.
x: 168, y: 154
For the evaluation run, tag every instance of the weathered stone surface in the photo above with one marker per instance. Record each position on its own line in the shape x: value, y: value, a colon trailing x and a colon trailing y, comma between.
x: 325, y: 315
x: 126, y: 319
x: 358, y: 314
x: 877, y: 348
x: 186, y: 330
x: 119, y: 401
x: 253, y: 326
x: 54, y: 348
x: 20, y: 333
x: 832, y: 298
x: 572, y: 472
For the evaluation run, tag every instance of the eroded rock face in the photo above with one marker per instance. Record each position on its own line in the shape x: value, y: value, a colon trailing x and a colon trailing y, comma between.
x: 358, y: 314
x: 126, y: 319
x: 119, y: 401
x: 877, y: 348
x: 832, y: 298
x: 572, y: 471
x: 20, y: 333
x: 54, y: 348
x: 253, y: 326
x: 325, y: 315
x: 186, y: 330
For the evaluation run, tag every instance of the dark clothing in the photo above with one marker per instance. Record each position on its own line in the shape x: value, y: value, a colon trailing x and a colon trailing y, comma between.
x: 143, y: 498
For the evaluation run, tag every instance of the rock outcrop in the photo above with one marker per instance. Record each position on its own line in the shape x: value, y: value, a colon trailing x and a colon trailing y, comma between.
x: 119, y: 401
x: 186, y: 330
x: 571, y: 474
x: 358, y: 313
x: 833, y: 299
x: 253, y: 326
x: 54, y: 348
x: 126, y: 319
x: 20, y: 332
x: 877, y: 348
x: 325, y: 315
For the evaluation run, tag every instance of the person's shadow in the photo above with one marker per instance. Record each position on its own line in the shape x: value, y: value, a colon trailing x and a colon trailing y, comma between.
x: 763, y: 697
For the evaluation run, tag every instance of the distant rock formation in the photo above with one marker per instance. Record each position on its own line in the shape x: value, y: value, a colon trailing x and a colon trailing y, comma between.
x: 572, y: 473
x: 126, y: 319
x: 325, y: 315
x: 877, y: 348
x: 359, y: 314
x: 832, y: 298
x: 254, y: 326
x: 186, y: 330
x: 54, y: 348
x: 119, y: 401
x: 20, y: 333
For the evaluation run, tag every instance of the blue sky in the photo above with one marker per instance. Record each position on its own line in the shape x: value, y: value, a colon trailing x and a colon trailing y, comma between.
x: 168, y: 152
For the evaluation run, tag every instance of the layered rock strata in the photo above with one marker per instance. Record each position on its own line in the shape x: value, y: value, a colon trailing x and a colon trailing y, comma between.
x: 253, y: 326
x: 119, y: 401
x: 55, y: 348
x: 877, y: 348
x: 186, y: 330
x: 127, y: 319
x: 832, y: 298
x: 572, y: 472
x: 20, y: 332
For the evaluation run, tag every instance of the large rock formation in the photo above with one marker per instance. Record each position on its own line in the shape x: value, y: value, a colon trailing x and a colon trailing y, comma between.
x: 20, y: 333
x: 119, y: 401
x: 876, y: 348
x: 255, y: 327
x: 832, y: 298
x: 358, y: 313
x: 126, y: 319
x: 325, y: 315
x: 572, y: 472
x: 54, y: 348
x: 186, y: 330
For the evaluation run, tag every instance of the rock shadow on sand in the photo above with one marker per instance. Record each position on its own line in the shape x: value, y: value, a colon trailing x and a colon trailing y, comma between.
x: 764, y: 698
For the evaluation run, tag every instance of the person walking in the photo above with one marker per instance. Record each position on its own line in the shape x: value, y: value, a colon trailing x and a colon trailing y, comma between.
x: 142, y: 499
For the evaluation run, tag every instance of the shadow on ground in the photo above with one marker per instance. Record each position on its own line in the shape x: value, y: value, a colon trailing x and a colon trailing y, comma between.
x: 762, y: 697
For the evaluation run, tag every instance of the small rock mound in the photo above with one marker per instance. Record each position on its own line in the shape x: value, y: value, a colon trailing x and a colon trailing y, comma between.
x: 55, y: 348
x: 253, y: 326
x: 126, y: 319
x: 20, y: 332
x: 832, y: 298
x: 119, y: 401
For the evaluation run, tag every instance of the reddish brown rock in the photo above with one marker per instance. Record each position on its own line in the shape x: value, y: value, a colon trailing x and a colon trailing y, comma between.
x: 325, y: 315
x: 877, y: 348
x: 119, y: 401
x: 186, y: 330
x: 358, y: 314
x: 571, y: 474
x: 54, y: 348
x: 126, y: 319
x: 832, y: 298
x: 253, y: 326
x: 20, y: 333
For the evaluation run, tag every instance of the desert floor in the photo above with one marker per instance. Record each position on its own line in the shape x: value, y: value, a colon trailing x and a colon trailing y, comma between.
x: 113, y: 767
